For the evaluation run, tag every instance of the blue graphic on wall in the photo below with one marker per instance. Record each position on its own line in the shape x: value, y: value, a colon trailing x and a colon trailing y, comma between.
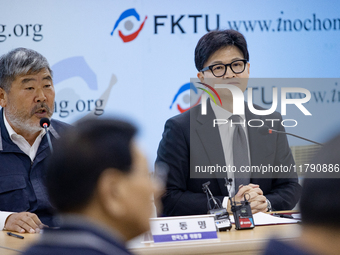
x: 187, y: 98
x: 74, y: 67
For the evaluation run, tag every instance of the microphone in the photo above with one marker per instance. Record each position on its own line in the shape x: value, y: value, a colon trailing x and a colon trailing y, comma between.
x: 222, y: 221
x: 205, y: 187
x: 45, y: 123
x: 265, y: 130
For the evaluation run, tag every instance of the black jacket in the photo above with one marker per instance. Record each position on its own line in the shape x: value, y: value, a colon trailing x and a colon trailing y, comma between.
x: 191, y: 136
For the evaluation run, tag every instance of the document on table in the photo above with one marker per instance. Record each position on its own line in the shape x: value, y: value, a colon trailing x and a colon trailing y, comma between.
x: 261, y: 219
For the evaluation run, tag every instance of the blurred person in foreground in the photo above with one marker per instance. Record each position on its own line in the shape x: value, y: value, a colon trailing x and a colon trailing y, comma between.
x: 26, y: 96
x: 99, y: 182
x: 320, y: 208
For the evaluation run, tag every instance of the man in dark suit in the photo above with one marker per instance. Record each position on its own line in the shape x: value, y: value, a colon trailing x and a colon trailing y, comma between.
x: 191, y: 141
x: 99, y: 182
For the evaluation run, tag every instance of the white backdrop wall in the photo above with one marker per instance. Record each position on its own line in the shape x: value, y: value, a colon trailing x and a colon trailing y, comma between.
x: 97, y: 73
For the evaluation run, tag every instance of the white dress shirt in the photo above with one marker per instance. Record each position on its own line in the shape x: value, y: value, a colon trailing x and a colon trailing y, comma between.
x: 19, y: 140
x: 31, y: 151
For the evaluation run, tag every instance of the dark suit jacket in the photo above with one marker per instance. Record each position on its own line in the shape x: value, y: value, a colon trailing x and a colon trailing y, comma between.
x: 191, y: 136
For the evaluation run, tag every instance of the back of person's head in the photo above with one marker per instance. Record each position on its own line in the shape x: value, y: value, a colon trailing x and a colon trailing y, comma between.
x: 20, y: 61
x: 98, y: 171
x: 320, y: 201
x: 218, y: 39
x: 81, y: 155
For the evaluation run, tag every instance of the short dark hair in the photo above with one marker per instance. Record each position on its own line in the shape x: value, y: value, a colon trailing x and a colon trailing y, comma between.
x: 81, y: 155
x: 320, y: 204
x: 20, y: 61
x: 215, y: 40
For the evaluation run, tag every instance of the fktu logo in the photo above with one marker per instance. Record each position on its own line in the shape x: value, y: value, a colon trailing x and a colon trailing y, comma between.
x: 186, y: 97
x: 128, y: 25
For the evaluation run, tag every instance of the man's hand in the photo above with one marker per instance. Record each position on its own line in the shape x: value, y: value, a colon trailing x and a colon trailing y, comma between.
x: 254, y: 195
x: 24, y: 222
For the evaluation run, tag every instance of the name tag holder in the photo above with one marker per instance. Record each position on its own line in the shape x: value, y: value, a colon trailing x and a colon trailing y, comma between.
x: 183, y: 228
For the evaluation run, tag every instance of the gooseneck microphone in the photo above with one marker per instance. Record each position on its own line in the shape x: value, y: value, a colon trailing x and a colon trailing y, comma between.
x: 45, y: 123
x: 265, y: 130
x: 205, y: 187
x: 222, y: 221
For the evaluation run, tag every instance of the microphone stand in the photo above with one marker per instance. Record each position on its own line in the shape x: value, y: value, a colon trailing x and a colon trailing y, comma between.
x: 48, y: 138
x: 281, y: 132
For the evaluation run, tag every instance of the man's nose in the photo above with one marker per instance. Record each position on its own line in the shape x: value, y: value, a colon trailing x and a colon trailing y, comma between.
x: 229, y: 73
x: 40, y: 96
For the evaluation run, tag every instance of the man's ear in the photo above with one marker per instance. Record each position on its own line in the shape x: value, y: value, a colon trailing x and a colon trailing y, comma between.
x: 110, y: 189
x: 3, y: 97
x: 200, y: 76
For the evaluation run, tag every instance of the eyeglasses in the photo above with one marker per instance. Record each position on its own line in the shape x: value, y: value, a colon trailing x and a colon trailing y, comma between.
x: 219, y: 70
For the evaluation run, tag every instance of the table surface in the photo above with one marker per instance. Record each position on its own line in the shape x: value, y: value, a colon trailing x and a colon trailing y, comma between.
x: 250, y: 241
x: 232, y: 242
x: 13, y: 246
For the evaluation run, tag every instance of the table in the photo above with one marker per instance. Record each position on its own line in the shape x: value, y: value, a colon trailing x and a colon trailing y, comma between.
x: 12, y: 246
x: 233, y: 242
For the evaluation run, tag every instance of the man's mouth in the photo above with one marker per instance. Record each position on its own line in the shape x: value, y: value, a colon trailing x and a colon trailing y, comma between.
x: 233, y: 81
x: 41, y: 112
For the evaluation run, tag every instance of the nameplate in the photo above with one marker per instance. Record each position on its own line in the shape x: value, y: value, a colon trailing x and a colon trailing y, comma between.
x: 183, y: 228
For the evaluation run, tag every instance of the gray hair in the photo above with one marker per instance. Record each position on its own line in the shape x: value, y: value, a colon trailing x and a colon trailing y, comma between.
x: 20, y: 61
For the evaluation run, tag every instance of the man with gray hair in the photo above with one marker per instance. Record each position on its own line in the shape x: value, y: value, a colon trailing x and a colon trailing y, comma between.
x: 26, y: 96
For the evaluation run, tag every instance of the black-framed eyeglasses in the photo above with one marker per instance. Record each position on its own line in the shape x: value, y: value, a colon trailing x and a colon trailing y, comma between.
x: 219, y: 70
